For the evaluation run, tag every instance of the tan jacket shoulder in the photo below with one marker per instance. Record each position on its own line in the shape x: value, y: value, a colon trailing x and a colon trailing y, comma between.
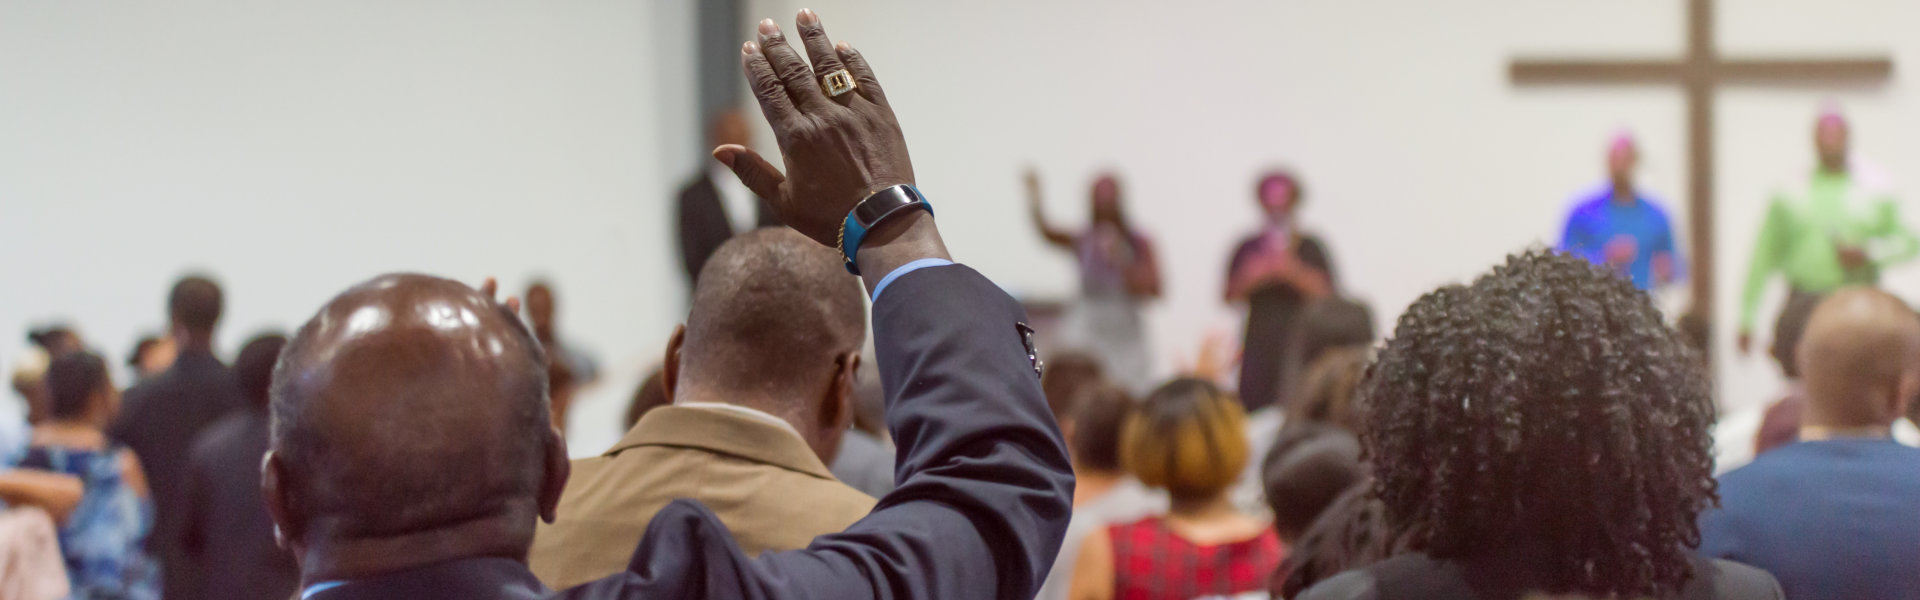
x: 760, y: 478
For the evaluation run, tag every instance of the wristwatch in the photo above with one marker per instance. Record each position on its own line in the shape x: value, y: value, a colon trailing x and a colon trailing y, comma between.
x: 894, y: 200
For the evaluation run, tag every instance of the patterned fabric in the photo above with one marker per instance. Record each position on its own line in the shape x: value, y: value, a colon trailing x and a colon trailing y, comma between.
x: 104, y: 537
x: 1151, y: 562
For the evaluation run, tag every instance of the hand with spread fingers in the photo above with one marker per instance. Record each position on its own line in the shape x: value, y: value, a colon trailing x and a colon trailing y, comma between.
x: 837, y: 134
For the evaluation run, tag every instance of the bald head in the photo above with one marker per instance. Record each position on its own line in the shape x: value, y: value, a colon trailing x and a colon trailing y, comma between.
x: 771, y: 312
x: 1860, y: 358
x: 410, y: 408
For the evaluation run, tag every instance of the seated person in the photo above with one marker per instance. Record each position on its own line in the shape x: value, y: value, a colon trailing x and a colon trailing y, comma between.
x: 1188, y: 438
x: 1350, y: 533
x: 1781, y: 425
x: 1313, y: 464
x: 762, y: 377
x: 412, y: 449
x: 1833, y: 515
x: 1541, y: 430
x: 1103, y: 492
x: 105, y: 536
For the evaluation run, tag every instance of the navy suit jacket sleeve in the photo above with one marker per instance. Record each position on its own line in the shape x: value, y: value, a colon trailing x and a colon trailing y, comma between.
x: 985, y: 487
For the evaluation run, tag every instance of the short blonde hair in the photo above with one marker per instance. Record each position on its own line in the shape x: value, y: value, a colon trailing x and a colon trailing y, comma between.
x: 1188, y: 437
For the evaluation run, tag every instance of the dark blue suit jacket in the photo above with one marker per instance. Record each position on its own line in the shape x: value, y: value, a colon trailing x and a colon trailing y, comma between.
x: 985, y: 487
x: 1836, y: 518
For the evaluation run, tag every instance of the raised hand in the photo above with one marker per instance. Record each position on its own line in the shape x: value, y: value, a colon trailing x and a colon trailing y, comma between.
x: 838, y: 150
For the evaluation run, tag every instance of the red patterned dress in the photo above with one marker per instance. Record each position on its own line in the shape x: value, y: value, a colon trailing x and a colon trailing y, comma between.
x: 1151, y: 562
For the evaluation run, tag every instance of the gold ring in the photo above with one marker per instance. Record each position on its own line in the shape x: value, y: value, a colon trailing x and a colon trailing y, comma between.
x: 837, y: 83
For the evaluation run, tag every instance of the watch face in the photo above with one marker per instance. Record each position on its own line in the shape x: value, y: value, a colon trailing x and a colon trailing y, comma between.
x: 883, y: 203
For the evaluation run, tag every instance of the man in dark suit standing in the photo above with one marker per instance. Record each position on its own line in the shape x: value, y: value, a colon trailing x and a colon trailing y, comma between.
x: 162, y: 415
x: 714, y: 206
x: 227, y: 534
x: 411, y: 450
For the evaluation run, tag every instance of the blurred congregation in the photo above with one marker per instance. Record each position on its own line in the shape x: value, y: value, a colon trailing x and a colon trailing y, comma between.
x: 847, y: 408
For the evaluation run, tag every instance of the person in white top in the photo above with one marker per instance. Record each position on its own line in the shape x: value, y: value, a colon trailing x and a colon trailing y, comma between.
x: 1103, y: 493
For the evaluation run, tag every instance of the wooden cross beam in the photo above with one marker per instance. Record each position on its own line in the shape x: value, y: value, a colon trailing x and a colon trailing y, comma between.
x: 1699, y: 73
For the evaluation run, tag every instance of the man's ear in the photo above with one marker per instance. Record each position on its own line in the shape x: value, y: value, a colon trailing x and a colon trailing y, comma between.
x: 555, y: 480
x: 1903, y: 395
x: 837, y: 414
x: 670, y: 370
x: 836, y: 407
x: 288, y: 528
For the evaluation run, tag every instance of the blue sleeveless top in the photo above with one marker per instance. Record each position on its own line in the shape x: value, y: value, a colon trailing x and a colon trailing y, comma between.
x: 103, y: 540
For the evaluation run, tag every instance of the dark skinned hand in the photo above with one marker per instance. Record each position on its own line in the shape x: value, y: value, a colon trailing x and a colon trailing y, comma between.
x: 837, y: 150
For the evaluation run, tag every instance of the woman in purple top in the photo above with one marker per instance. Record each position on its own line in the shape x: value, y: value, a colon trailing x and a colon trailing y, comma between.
x: 1118, y: 273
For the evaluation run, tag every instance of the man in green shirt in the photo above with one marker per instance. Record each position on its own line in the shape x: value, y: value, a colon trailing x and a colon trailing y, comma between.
x: 1840, y: 230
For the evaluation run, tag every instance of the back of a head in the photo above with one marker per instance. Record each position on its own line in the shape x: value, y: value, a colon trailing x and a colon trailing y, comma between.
x: 1329, y: 390
x: 55, y: 339
x: 1547, y: 403
x: 1309, y: 466
x: 771, y: 310
x: 72, y: 381
x: 1065, y: 379
x: 1789, y: 329
x: 195, y: 304
x: 1860, y: 359
x: 1332, y: 324
x: 1098, y: 415
x: 1352, y: 532
x: 1187, y: 437
x: 408, y: 404
x: 253, y: 369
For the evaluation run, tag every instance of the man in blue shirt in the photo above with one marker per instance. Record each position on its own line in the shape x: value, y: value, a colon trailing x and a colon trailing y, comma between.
x: 1833, y: 516
x: 1621, y: 228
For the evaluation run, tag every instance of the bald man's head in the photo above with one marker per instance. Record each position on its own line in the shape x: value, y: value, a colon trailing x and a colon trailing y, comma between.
x: 1860, y: 358
x: 772, y: 309
x: 411, y: 409
x: 777, y: 324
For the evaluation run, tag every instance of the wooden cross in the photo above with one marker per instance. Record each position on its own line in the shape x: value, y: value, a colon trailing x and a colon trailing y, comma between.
x: 1698, y: 73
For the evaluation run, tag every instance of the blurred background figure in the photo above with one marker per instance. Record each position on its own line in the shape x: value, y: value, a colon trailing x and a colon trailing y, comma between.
x: 151, y: 356
x: 1311, y: 467
x: 1842, y: 226
x: 1275, y: 273
x: 1189, y: 439
x: 29, y: 376
x: 1832, y: 516
x: 1623, y: 228
x: 541, y: 307
x: 228, y: 534
x: 714, y: 206
x: 1118, y: 272
x: 104, y: 540
x: 1781, y: 424
x: 165, y: 413
x: 56, y: 340
x: 1326, y: 363
x: 1091, y: 413
x: 865, y: 459
x: 649, y: 395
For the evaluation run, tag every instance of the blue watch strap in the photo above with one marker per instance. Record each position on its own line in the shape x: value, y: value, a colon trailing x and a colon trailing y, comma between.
x: 871, y: 212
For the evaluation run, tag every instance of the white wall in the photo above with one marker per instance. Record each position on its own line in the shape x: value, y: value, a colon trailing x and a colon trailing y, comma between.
x: 1424, y: 164
x: 293, y: 149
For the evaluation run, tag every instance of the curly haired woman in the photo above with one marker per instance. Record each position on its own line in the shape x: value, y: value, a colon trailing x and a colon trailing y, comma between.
x: 1541, y: 430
